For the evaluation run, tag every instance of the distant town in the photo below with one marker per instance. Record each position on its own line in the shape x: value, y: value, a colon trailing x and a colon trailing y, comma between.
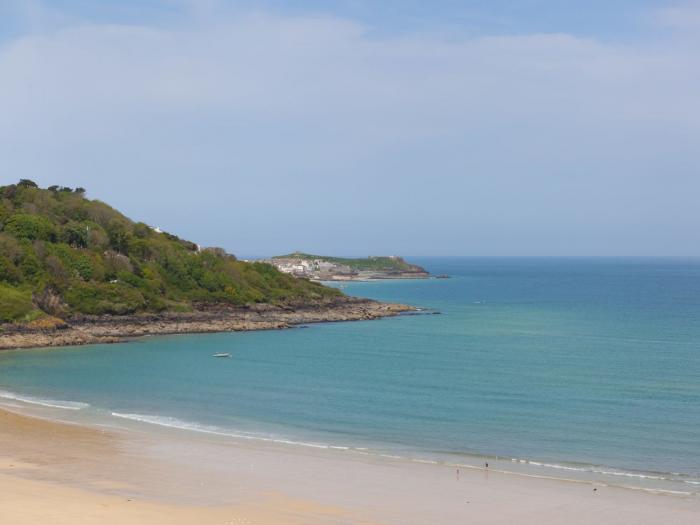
x: 325, y: 268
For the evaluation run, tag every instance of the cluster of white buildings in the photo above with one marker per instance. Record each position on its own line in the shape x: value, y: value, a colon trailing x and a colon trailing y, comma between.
x: 310, y: 268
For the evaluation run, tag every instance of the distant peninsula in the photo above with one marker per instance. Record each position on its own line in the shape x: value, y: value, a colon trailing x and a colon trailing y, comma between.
x: 325, y: 268
x: 75, y: 270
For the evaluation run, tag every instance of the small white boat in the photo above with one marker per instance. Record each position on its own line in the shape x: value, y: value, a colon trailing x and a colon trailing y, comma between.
x: 223, y: 354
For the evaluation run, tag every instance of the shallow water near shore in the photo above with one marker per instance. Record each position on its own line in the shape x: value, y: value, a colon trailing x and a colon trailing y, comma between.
x: 551, y: 366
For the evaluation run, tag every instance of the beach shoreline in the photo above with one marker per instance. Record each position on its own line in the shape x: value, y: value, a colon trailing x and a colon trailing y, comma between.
x: 90, y: 474
x: 115, y: 329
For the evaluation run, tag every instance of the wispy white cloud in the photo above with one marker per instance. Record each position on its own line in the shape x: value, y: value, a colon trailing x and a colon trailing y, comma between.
x: 543, y: 128
x: 684, y: 16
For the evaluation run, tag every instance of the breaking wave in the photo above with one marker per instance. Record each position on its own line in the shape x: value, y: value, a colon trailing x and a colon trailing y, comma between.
x: 173, y: 422
x: 52, y: 403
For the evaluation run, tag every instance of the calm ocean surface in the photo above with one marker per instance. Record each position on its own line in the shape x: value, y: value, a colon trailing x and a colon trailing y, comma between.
x: 569, y: 367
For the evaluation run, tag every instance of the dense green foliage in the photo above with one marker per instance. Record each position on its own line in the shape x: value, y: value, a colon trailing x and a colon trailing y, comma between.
x: 63, y: 254
x: 14, y: 303
x: 369, y: 263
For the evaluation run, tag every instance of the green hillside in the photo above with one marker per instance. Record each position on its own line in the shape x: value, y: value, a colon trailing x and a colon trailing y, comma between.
x: 368, y: 263
x: 62, y: 254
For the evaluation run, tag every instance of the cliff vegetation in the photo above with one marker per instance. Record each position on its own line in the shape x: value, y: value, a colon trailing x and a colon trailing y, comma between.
x: 63, y: 255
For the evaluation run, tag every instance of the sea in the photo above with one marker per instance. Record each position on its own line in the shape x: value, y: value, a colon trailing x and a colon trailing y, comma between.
x: 579, y: 368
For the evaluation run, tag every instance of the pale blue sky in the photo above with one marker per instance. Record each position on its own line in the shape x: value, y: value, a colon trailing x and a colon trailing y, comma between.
x: 501, y: 127
x: 604, y: 18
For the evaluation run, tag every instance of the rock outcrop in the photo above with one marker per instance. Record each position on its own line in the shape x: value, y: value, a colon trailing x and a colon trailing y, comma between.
x: 82, y: 330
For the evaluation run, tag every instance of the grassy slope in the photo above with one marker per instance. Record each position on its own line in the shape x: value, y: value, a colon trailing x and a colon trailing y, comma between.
x: 369, y: 263
x: 63, y: 254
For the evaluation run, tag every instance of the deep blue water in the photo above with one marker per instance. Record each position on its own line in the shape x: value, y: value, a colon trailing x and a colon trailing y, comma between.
x: 567, y: 361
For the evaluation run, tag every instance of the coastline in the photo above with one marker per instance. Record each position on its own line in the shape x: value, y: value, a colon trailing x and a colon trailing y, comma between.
x: 371, y: 277
x: 365, y: 279
x: 114, y: 329
x: 90, y: 475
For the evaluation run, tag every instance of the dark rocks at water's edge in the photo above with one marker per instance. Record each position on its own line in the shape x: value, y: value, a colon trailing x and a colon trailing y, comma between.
x: 80, y: 330
x: 422, y: 311
x: 75, y: 271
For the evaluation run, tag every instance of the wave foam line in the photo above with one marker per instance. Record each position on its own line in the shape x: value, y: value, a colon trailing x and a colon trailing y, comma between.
x: 51, y: 403
x: 173, y: 422
x: 599, y: 470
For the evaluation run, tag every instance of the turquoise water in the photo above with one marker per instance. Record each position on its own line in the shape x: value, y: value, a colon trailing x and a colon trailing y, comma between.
x: 563, y: 365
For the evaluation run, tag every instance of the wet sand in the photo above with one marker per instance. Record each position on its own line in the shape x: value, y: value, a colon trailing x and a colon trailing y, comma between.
x: 62, y: 473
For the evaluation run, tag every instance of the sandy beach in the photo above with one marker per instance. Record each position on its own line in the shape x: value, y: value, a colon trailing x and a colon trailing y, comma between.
x: 57, y: 473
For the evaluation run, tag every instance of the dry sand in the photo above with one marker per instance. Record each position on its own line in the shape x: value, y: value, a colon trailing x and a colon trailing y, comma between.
x: 55, y: 473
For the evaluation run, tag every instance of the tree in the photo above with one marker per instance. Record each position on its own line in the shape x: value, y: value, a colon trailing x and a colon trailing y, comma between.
x: 26, y: 183
x: 25, y: 226
x: 97, y: 238
x: 115, y: 263
x: 10, y: 248
x: 5, y: 212
x: 57, y: 271
x: 30, y: 265
x: 75, y: 234
x: 61, y: 250
x: 142, y: 231
x: 119, y: 235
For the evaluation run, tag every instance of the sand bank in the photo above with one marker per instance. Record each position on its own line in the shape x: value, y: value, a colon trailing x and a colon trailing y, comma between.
x: 54, y: 473
x: 59, y: 473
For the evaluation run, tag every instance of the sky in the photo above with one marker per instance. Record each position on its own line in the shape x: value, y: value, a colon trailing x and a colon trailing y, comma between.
x: 357, y: 127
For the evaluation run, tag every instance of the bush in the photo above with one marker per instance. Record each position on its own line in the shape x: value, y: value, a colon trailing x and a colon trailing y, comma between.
x: 98, y: 299
x: 30, y: 266
x: 8, y: 271
x: 10, y: 248
x: 58, y: 240
x: 15, y: 304
x: 32, y: 227
x: 75, y: 234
